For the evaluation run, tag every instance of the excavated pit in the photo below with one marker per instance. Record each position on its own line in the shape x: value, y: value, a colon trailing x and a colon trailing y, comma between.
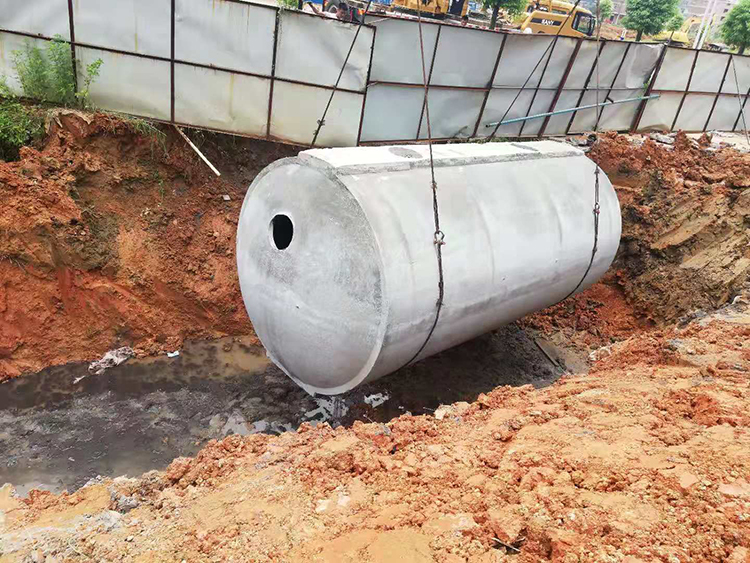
x: 106, y: 242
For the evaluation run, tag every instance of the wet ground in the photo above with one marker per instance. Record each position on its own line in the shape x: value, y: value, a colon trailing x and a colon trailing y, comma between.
x: 61, y: 427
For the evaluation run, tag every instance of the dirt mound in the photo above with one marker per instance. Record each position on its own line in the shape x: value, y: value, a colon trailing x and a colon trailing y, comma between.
x: 686, y: 212
x: 109, y: 238
x: 645, y: 459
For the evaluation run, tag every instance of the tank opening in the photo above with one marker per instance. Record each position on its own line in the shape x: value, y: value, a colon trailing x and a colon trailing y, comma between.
x: 282, y: 230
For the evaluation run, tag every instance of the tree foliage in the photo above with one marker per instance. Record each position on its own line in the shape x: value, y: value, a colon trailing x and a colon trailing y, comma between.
x: 510, y: 7
x: 676, y: 22
x: 649, y: 16
x: 606, y: 9
x: 736, y: 28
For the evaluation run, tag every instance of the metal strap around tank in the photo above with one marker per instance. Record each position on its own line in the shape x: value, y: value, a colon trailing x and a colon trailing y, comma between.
x: 597, y: 207
x: 439, y: 236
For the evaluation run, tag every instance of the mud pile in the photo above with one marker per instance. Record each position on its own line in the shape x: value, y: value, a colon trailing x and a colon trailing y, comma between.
x: 686, y: 212
x: 644, y: 459
x: 111, y: 238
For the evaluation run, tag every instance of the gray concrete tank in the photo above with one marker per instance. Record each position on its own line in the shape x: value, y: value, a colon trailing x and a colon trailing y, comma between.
x: 337, y: 263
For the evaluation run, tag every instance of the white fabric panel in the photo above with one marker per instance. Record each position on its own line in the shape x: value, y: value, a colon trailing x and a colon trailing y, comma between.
x: 497, y: 103
x: 225, y: 34
x: 313, y: 49
x: 520, y: 55
x: 465, y: 57
x: 297, y: 109
x: 742, y: 66
x: 582, y: 65
x: 397, y: 57
x: 541, y: 105
x: 638, y: 66
x: 619, y: 117
x: 709, y: 69
x: 8, y: 44
x: 558, y: 123
x: 609, y: 61
x: 128, y: 84
x: 453, y: 113
x: 391, y: 113
x: 725, y: 113
x: 694, y: 112
x: 561, y: 54
x: 221, y: 100
x: 675, y: 69
x: 136, y: 26
x: 45, y: 17
x: 660, y: 113
x: 584, y: 120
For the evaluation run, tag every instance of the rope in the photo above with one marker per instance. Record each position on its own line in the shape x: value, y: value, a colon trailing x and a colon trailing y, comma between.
x: 322, y: 120
x: 439, y: 236
x: 533, y: 70
x: 597, y: 207
x: 739, y: 100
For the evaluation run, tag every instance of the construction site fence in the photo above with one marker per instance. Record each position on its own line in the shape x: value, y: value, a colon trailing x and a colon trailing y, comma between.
x: 263, y: 71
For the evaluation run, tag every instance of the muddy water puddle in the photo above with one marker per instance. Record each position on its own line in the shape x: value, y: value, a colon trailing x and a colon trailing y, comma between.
x: 63, y: 426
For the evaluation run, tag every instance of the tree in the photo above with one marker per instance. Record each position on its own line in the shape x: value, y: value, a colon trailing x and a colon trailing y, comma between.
x: 649, y: 16
x: 736, y: 28
x: 510, y: 7
x: 606, y: 8
x: 675, y: 24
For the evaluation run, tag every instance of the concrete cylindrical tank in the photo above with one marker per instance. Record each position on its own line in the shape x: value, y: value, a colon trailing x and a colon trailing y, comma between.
x: 337, y: 262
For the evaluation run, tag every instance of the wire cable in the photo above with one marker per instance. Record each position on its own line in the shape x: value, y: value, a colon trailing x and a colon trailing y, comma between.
x: 439, y: 236
x: 597, y: 207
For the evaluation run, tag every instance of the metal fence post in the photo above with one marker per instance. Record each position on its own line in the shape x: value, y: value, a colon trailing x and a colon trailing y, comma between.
x: 489, y: 85
x: 687, y: 89
x: 649, y: 89
x: 560, y: 87
x: 273, y: 72
x: 72, y: 28
x: 612, y: 85
x: 742, y: 109
x: 171, y: 62
x: 429, y: 79
x: 538, y: 84
x: 367, y: 81
x: 585, y: 86
x: 718, y: 93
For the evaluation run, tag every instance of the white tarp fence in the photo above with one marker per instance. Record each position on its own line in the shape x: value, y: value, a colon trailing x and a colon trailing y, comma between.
x: 261, y: 71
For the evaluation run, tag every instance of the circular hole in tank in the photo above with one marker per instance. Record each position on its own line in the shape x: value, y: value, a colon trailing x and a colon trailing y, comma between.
x: 282, y: 231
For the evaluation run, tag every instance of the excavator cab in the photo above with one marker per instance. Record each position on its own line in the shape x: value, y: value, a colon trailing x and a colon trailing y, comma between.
x: 548, y: 16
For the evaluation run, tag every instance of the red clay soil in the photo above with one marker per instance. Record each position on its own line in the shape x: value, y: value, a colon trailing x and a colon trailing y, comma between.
x: 685, y: 211
x: 647, y: 458
x: 109, y: 239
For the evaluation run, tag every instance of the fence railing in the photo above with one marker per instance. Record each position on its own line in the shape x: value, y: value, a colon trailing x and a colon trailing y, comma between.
x: 262, y: 71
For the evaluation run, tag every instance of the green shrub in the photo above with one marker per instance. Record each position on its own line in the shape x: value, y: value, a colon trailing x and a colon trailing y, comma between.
x: 18, y: 125
x: 47, y: 74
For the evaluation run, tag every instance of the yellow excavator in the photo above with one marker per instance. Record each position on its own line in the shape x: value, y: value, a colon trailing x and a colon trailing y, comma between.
x: 433, y: 8
x: 684, y: 36
x: 547, y: 16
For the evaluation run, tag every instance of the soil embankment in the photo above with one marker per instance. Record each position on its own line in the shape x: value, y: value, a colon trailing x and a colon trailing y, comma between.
x: 110, y: 238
